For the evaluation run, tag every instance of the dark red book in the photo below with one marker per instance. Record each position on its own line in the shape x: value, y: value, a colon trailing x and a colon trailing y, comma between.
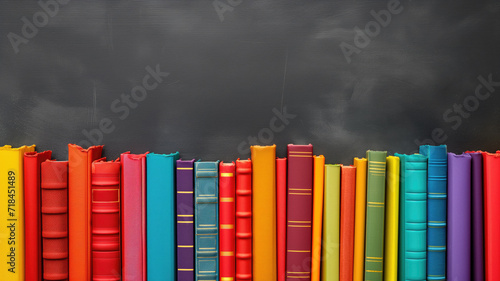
x: 54, y: 195
x: 32, y: 213
x: 106, y: 265
x: 299, y: 212
x: 281, y: 216
x: 227, y: 221
x: 243, y: 220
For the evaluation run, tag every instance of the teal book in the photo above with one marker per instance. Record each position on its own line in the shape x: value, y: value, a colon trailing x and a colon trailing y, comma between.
x: 413, y: 217
x: 206, y: 217
x: 160, y: 210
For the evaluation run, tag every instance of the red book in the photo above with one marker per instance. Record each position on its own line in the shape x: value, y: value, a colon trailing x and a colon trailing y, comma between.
x: 347, y: 202
x: 281, y: 216
x: 227, y: 221
x: 32, y: 214
x: 243, y: 220
x: 299, y: 212
x: 54, y: 195
x: 106, y: 254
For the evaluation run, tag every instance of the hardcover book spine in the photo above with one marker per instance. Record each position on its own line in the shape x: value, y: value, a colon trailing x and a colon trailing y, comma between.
x: 330, y: 265
x: 347, y: 201
x: 106, y: 261
x: 32, y: 215
x: 391, y: 219
x: 160, y: 241
x: 375, y: 215
x: 54, y: 208
x: 185, y: 220
x: 436, y: 210
x: 80, y: 162
x: 227, y: 221
x: 359, y: 220
x: 413, y: 217
x: 459, y: 209
x: 133, y: 217
x: 243, y: 220
x: 299, y: 212
x: 317, y: 229
x: 281, y: 216
x: 264, y: 212
x: 206, y: 220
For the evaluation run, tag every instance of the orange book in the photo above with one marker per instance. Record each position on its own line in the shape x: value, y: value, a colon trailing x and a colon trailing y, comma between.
x: 359, y: 220
x: 80, y: 171
x: 347, y: 201
x: 264, y: 212
x: 317, y: 228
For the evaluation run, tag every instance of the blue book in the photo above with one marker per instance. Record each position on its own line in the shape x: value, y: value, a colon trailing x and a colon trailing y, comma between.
x: 206, y: 218
x: 160, y: 210
x: 436, y: 210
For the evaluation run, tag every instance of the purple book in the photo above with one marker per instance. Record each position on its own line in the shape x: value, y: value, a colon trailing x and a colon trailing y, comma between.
x: 459, y: 217
x: 185, y: 220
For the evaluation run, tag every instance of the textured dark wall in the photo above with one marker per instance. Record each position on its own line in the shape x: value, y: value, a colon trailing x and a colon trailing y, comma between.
x: 228, y: 70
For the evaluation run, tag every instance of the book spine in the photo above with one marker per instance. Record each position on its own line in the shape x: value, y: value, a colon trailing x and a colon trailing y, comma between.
x: 391, y: 218
x: 206, y: 219
x: 185, y: 220
x: 243, y: 220
x: 359, y: 220
x: 330, y: 264
x: 32, y: 215
x: 227, y: 221
x: 54, y: 210
x: 299, y: 212
x: 347, y: 201
x: 281, y: 176
x: 106, y: 261
x: 160, y: 212
x: 459, y: 210
x: 317, y: 228
x: 375, y: 214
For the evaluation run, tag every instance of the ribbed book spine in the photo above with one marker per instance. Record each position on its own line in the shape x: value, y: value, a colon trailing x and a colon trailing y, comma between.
x: 413, y: 217
x: 359, y: 219
x: 185, y: 220
x: 317, y: 230
x: 330, y: 264
x: 206, y: 220
x: 243, y: 220
x: 227, y: 221
x: 392, y: 219
x: 436, y: 210
x: 54, y: 208
x: 106, y: 261
x: 347, y: 201
x: 375, y: 215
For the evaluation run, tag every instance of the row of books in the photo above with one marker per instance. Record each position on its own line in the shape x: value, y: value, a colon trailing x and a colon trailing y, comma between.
x: 432, y: 215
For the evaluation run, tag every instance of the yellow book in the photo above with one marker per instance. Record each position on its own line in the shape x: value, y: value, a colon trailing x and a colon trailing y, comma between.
x: 391, y: 219
x: 331, y: 224
x: 319, y: 178
x: 264, y: 212
x: 12, y: 212
x: 359, y: 220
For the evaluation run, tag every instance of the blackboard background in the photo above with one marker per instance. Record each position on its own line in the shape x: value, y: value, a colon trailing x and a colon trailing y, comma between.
x: 227, y: 76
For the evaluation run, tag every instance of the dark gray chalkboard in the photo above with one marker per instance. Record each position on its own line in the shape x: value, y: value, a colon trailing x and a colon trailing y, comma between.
x: 348, y: 77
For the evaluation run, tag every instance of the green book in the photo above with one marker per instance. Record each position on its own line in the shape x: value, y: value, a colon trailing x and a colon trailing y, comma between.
x: 375, y: 214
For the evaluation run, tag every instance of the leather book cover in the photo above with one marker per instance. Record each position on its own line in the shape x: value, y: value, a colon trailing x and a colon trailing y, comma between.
x: 347, y: 205
x: 32, y: 214
x: 281, y: 165
x: 392, y: 219
x: 317, y: 226
x: 359, y: 220
x: 227, y: 221
x: 243, y: 220
x: 330, y: 264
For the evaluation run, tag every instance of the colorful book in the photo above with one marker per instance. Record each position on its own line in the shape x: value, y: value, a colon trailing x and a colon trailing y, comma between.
x: 459, y: 217
x: 347, y: 207
x: 32, y: 215
x: 161, y: 212
x: 359, y: 220
x: 54, y: 209
x: 206, y: 220
x: 281, y: 216
x: 299, y: 212
x: 317, y: 228
x: 330, y: 264
x: 375, y: 215
x: 79, y: 198
x: 264, y: 212
x: 391, y: 219
x: 243, y: 220
x: 185, y: 220
x: 106, y: 255
x: 227, y: 221
x: 413, y: 217
x: 133, y: 217
x: 436, y: 210
x: 12, y: 217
